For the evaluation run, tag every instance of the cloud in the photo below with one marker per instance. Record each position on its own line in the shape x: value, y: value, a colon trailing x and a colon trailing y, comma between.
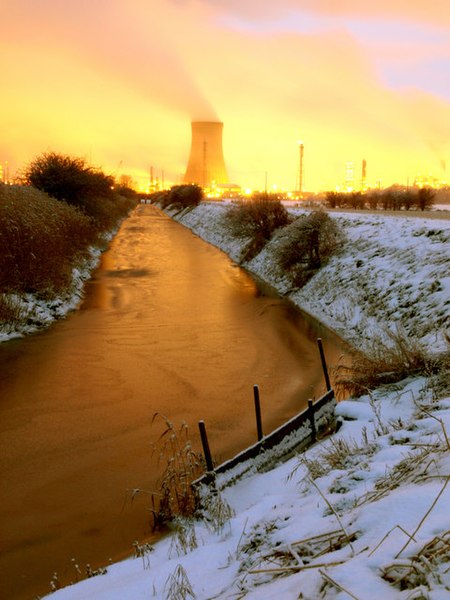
x: 433, y: 11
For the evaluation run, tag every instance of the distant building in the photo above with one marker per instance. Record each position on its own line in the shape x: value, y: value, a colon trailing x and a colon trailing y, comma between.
x: 206, y: 165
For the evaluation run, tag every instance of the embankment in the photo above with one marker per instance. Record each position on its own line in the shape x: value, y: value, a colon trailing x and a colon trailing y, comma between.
x: 391, y: 273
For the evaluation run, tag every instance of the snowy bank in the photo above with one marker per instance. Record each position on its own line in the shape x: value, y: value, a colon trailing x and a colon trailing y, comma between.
x: 391, y: 271
x: 361, y: 515
x: 39, y: 312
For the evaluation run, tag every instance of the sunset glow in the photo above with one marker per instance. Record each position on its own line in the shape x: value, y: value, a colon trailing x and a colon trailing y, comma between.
x: 119, y: 82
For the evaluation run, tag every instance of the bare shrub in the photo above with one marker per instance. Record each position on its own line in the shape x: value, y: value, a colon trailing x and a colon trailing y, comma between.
x: 256, y: 219
x: 388, y: 361
x: 175, y: 496
x: 308, y: 242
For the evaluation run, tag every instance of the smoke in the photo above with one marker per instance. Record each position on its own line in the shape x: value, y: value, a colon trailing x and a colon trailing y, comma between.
x: 123, y: 42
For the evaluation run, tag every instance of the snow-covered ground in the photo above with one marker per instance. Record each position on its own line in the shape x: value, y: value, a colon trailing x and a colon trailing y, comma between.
x: 346, y: 519
x: 361, y: 515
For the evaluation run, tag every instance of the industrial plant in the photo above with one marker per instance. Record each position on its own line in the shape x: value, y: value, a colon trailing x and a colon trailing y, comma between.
x: 206, y: 165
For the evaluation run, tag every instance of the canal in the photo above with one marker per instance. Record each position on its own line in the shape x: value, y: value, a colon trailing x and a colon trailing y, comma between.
x: 168, y: 324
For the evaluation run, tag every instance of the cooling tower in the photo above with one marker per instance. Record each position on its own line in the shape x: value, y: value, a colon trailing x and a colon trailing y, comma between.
x: 206, y: 165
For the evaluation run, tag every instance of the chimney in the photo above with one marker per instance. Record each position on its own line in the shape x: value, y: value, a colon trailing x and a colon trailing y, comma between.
x: 206, y: 164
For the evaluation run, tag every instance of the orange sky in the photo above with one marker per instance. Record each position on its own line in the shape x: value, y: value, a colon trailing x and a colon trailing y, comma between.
x: 118, y: 82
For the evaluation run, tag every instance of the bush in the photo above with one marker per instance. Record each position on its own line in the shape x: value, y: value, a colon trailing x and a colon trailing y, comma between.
x: 308, y: 242
x: 179, y: 196
x: 67, y: 178
x: 256, y: 219
x: 183, y: 196
x: 71, y: 180
x: 393, y: 198
x: 333, y: 199
x: 40, y: 240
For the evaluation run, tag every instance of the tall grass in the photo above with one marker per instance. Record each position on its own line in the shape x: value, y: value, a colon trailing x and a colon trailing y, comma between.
x: 11, y: 311
x: 175, y: 496
x: 40, y: 241
x: 389, y: 360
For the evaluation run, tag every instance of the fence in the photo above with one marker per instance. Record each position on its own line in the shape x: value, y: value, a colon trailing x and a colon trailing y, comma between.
x: 295, y: 435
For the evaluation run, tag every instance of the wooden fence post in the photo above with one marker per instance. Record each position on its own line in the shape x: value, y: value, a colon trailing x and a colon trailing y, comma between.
x: 258, y: 413
x: 324, y: 364
x: 312, y: 420
x: 205, y: 444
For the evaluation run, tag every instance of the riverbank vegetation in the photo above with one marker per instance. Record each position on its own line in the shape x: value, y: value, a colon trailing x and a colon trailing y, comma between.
x: 255, y: 220
x: 308, y: 242
x: 304, y: 243
x: 49, y: 225
x: 179, y: 196
x: 393, y: 357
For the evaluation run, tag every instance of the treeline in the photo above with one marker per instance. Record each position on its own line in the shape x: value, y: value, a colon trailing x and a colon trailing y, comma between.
x: 394, y: 198
x: 49, y: 221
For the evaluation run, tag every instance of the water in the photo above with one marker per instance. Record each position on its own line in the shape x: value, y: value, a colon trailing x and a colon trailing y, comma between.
x: 168, y: 325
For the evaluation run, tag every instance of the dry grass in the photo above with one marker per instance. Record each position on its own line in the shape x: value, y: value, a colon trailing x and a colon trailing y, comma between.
x: 178, y: 586
x: 175, y: 496
x: 340, y: 454
x: 184, y: 539
x: 216, y: 512
x: 11, y: 312
x: 389, y: 360
x: 430, y: 566
x: 40, y: 241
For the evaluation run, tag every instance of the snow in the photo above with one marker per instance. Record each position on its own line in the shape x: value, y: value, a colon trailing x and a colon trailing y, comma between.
x: 359, y: 510
x: 389, y: 496
x: 390, y: 269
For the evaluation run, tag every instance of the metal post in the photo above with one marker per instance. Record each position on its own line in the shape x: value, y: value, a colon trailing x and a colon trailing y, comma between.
x: 206, y: 450
x: 324, y: 364
x: 258, y: 413
x: 312, y: 420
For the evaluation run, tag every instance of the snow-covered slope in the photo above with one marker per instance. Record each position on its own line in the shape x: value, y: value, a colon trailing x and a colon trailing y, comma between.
x: 391, y: 272
x: 346, y: 519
